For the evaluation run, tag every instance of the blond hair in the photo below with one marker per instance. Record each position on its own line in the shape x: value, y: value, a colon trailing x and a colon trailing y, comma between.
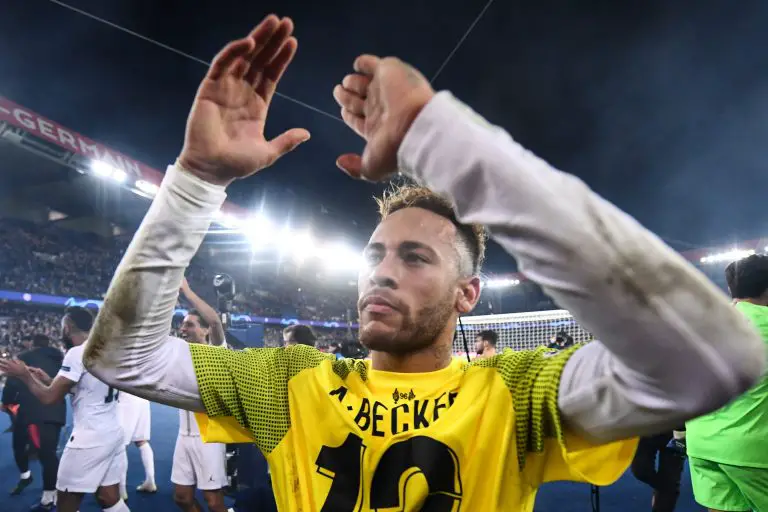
x: 473, y: 236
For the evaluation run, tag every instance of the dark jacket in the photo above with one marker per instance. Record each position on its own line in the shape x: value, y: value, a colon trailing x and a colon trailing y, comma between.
x: 30, y: 409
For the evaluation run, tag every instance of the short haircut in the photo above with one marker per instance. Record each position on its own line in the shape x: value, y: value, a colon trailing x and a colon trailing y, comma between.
x: 203, y: 322
x: 472, y: 236
x: 80, y: 317
x: 490, y: 336
x: 41, y: 340
x: 301, y: 334
x: 27, y: 337
x: 747, y: 278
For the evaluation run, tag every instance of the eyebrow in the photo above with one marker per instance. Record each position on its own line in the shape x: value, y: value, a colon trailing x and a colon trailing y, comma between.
x: 407, y: 245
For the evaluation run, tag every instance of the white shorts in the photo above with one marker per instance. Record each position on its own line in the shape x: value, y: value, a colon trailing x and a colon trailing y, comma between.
x: 86, y: 469
x: 200, y: 464
x: 135, y: 417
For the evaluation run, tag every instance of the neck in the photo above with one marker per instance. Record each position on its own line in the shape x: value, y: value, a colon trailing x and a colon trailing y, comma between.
x: 78, y: 339
x: 429, y: 359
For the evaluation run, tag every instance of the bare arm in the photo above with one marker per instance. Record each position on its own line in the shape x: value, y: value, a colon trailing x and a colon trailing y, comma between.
x: 130, y: 347
x: 210, y: 315
x: 671, y: 348
x: 50, y: 392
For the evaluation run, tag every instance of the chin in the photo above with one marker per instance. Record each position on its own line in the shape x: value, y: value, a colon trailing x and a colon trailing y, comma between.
x: 376, y: 335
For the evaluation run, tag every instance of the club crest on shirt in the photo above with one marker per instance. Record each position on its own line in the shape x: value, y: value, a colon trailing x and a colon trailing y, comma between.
x: 397, y: 395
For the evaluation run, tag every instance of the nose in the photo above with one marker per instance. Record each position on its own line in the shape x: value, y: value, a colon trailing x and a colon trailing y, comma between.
x: 385, y: 273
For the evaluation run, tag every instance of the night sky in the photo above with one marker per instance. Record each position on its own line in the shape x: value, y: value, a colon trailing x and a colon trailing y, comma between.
x: 660, y: 106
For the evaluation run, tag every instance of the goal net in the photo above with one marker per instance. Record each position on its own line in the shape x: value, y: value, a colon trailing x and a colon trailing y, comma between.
x: 520, y: 331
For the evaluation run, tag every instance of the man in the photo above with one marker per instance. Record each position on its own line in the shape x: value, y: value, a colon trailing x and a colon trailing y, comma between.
x: 349, y: 434
x: 561, y: 341
x: 136, y: 419
x: 485, y: 344
x: 94, y: 457
x: 298, y: 334
x: 195, y: 464
x: 664, y: 478
x: 728, y: 449
x: 36, y: 425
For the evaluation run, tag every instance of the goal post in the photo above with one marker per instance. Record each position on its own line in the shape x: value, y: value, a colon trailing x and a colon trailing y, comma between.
x: 520, y: 331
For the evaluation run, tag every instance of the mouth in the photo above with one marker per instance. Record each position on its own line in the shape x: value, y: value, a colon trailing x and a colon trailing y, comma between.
x: 377, y: 304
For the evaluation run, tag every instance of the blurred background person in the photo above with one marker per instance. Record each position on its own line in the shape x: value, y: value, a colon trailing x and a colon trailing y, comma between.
x: 485, y: 344
x: 37, y: 426
x: 299, y: 334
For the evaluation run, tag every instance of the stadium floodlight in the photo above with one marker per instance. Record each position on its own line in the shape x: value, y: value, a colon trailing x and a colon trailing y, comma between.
x: 298, y: 245
x: 501, y: 283
x: 259, y: 231
x: 340, y: 257
x: 119, y: 175
x: 148, y: 188
x: 101, y: 168
x: 104, y: 170
x: 728, y: 256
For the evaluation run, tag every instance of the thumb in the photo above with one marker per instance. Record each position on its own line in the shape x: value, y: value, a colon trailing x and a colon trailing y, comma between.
x: 288, y: 141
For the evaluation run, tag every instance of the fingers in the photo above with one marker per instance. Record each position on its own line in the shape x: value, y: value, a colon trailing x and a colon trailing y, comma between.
x: 269, y: 77
x: 266, y: 49
x: 349, y: 101
x: 233, y: 58
x: 366, y: 64
x: 287, y: 142
x: 351, y: 164
x: 354, y: 121
x: 229, y: 58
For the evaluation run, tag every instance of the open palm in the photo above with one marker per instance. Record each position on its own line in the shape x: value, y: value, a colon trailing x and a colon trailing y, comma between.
x: 225, y: 131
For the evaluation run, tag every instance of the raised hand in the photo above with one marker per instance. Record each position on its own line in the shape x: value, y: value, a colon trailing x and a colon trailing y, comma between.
x: 379, y: 102
x: 40, y: 374
x: 224, y: 139
x: 13, y: 367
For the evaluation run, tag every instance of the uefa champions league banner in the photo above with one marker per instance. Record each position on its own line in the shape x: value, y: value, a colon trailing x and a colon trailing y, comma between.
x: 56, y: 300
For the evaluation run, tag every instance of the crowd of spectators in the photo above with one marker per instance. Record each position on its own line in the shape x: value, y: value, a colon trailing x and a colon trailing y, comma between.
x: 56, y: 261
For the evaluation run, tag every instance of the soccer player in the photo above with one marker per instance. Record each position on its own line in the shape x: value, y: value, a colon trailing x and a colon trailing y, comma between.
x: 136, y: 419
x: 415, y: 428
x: 94, y: 457
x: 195, y: 464
x: 299, y: 334
x: 485, y: 344
x: 728, y: 449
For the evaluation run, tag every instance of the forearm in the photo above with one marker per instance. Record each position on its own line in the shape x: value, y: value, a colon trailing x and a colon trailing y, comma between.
x: 672, y: 346
x: 129, y: 347
x: 42, y: 391
x: 210, y: 315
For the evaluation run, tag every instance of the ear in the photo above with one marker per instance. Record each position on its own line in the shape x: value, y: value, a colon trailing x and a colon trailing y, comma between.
x: 468, y: 295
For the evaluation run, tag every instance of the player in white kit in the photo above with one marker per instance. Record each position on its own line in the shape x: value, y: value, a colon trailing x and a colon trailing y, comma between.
x: 94, y: 457
x: 197, y: 464
x: 136, y: 420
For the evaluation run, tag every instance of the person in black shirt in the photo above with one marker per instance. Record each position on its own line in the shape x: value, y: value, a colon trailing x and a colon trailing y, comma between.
x: 36, y: 424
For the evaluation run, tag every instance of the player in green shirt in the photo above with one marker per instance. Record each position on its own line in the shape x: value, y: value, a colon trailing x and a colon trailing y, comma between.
x: 728, y: 449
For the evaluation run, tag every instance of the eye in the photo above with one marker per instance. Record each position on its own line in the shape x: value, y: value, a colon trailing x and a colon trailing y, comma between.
x: 413, y: 258
x: 372, y: 258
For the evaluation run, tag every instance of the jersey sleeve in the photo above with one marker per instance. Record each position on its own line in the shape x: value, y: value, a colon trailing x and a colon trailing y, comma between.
x: 72, y: 366
x: 547, y: 450
x: 245, y: 392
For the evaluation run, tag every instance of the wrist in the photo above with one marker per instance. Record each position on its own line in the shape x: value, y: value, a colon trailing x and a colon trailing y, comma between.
x: 189, y: 164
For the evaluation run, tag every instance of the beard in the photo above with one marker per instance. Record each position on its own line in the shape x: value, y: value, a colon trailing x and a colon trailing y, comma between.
x: 416, y: 331
x: 68, y: 343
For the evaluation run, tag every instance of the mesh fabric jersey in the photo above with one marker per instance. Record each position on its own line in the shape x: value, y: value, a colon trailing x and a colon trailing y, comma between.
x: 340, y: 436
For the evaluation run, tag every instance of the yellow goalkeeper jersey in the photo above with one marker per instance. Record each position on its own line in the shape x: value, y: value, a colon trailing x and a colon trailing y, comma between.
x: 340, y: 436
